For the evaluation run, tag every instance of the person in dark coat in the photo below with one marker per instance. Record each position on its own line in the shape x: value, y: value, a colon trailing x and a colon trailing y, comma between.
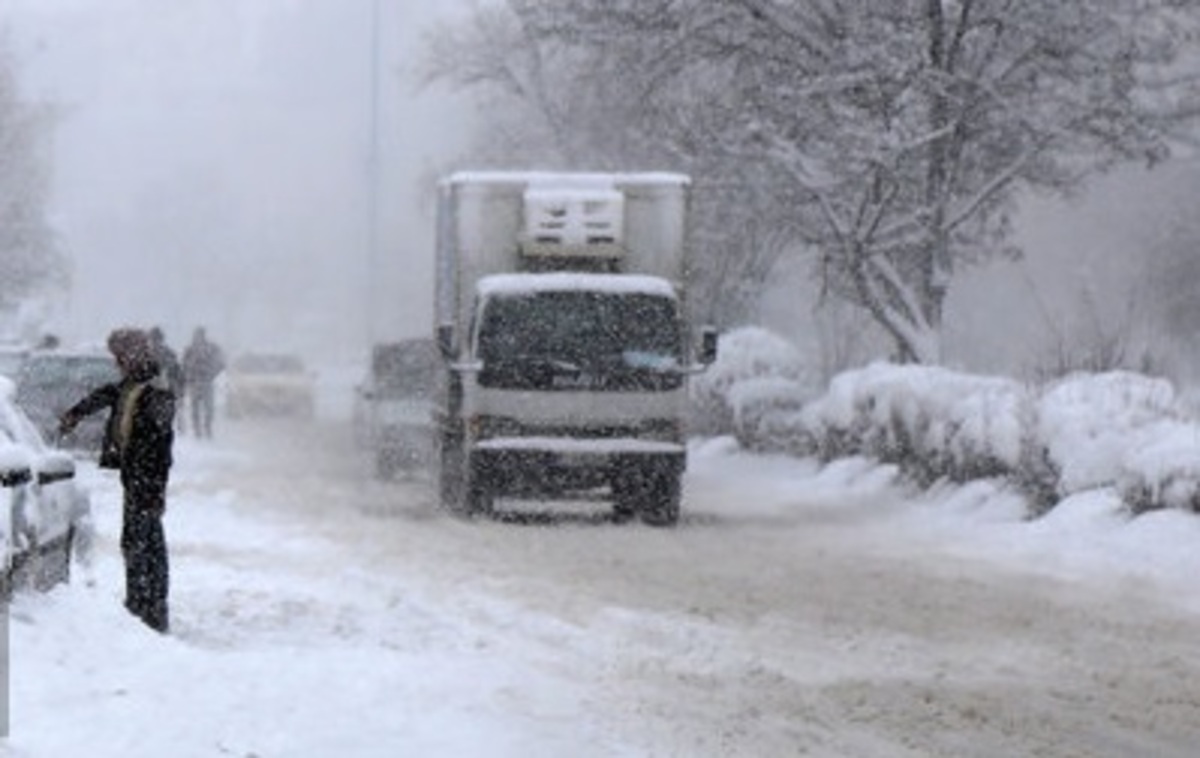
x: 202, y: 362
x: 137, y: 441
x: 170, y: 367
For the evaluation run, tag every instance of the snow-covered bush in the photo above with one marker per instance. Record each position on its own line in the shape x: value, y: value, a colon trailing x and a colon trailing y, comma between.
x: 1088, y: 422
x: 1127, y: 431
x: 764, y: 410
x: 933, y: 422
x: 1189, y: 402
x: 747, y: 354
x: 1119, y: 431
x: 1161, y: 467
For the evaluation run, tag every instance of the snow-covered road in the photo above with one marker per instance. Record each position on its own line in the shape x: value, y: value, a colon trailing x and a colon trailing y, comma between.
x: 793, y: 612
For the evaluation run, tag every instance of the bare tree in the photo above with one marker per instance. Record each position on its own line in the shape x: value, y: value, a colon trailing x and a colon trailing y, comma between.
x: 891, y: 137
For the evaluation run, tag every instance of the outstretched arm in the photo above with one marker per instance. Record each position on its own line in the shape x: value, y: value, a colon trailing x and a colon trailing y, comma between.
x: 102, y: 397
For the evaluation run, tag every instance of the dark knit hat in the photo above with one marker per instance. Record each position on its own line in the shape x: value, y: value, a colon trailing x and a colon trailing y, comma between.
x: 132, y: 347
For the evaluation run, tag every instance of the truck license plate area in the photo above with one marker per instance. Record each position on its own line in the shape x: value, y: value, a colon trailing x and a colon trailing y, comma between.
x: 580, y: 460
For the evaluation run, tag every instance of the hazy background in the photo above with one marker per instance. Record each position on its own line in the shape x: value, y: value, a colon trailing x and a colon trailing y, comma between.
x: 213, y: 166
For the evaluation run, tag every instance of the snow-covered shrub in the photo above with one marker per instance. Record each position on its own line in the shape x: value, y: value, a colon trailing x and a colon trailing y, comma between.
x: 1118, y: 431
x: 1087, y: 431
x: 931, y: 421
x: 1087, y: 423
x: 1161, y: 467
x: 1189, y: 402
x: 746, y: 354
x: 762, y: 409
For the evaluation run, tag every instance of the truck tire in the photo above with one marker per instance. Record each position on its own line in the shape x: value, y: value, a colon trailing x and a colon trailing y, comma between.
x: 450, y: 473
x: 649, y: 489
x: 463, y: 484
x: 478, y: 494
x: 661, y: 506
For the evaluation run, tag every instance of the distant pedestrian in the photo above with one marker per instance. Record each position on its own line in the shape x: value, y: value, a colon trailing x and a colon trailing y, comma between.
x: 202, y: 362
x: 137, y: 442
x: 171, y: 369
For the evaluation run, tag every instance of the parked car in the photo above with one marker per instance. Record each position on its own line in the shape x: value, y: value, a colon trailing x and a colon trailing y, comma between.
x: 51, y: 381
x: 269, y: 384
x: 393, y: 411
x: 46, y: 516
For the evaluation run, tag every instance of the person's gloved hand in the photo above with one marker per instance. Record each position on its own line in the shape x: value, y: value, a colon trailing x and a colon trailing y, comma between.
x: 66, y: 424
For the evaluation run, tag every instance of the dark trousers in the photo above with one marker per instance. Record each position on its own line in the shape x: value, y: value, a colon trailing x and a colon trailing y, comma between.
x: 201, y: 396
x: 144, y: 547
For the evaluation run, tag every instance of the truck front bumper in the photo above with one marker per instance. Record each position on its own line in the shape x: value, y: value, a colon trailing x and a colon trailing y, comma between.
x: 551, y: 466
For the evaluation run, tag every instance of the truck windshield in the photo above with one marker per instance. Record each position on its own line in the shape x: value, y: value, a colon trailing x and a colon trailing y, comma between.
x: 580, y: 340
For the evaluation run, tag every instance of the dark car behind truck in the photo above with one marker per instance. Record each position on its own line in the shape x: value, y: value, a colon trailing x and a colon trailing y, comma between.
x: 394, y: 412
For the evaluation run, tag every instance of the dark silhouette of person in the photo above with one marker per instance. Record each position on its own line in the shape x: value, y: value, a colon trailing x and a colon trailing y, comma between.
x: 202, y: 362
x: 171, y: 368
x: 137, y: 442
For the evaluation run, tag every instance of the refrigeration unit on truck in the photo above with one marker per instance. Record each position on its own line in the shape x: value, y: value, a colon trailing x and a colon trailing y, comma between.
x: 562, y: 318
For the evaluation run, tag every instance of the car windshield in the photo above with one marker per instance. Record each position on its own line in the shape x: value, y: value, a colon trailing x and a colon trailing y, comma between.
x: 577, y: 339
x: 49, y: 383
x: 72, y: 371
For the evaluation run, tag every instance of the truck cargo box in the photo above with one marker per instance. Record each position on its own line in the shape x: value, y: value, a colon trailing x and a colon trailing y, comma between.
x: 499, y: 222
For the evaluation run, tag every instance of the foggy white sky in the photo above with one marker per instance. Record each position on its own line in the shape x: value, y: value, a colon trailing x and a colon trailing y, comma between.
x: 212, y: 166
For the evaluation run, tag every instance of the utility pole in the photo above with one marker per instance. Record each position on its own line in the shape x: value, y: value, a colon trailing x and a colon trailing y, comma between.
x: 373, y: 178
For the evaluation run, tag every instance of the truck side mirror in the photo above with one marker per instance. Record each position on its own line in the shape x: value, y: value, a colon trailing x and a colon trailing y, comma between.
x: 445, y: 341
x: 708, y: 345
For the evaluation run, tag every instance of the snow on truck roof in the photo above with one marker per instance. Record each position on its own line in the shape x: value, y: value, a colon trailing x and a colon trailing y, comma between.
x: 622, y: 284
x: 552, y: 181
x: 560, y: 192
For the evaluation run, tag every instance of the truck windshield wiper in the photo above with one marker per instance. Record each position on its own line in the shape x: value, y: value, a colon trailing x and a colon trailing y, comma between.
x: 649, y: 361
x: 561, y: 365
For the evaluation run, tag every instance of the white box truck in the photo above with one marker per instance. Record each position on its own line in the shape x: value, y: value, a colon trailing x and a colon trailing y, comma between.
x: 563, y: 321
